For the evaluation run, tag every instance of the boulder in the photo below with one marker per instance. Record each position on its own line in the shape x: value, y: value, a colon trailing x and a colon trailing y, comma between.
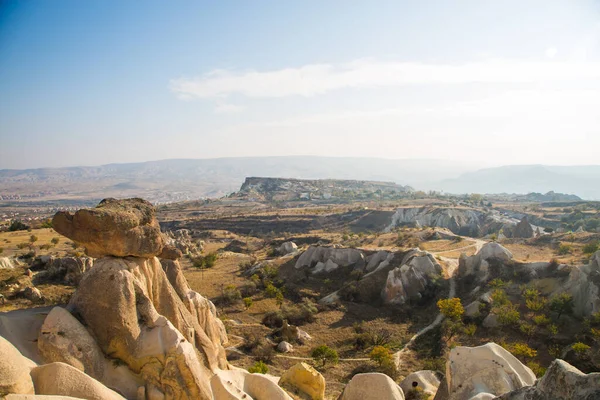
x: 182, y: 241
x: 473, y: 309
x: 478, y: 264
x: 427, y: 381
x: 287, y: 248
x: 14, y: 370
x: 374, y: 260
x: 304, y: 378
x: 523, y: 229
x: 371, y: 386
x: 583, y: 284
x: 491, y: 321
x: 136, y: 316
x: 62, y: 338
x: 285, y: 347
x: 241, y: 385
x: 114, y: 228
x: 64, y: 380
x: 32, y: 293
x: 21, y: 328
x: 484, y: 369
x: 410, y: 279
x: 561, y: 381
x: 336, y: 257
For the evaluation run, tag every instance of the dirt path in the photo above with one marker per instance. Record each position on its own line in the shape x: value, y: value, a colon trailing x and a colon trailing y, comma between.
x: 452, y: 264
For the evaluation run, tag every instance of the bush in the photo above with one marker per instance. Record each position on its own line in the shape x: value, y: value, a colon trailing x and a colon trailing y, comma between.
x: 210, y: 260
x: 508, y: 314
x: 470, y: 329
x: 251, y: 342
x: 451, y: 308
x: 324, y: 354
x: 561, y: 304
x: 563, y: 249
x: 499, y: 298
x: 580, y: 348
x: 271, y: 291
x: 264, y: 353
x: 17, y: 225
x: 523, y: 350
x: 273, y: 319
x: 55, y: 240
x: 416, y: 393
x: 541, y: 320
x: 380, y: 354
x: 259, y: 367
x: 230, y: 294
x: 247, y: 302
x: 537, y: 369
x: 497, y: 283
x: 591, y: 248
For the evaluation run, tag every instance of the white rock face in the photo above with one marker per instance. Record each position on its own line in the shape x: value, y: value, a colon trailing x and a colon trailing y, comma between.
x: 6, y: 263
x: 64, y: 380
x: 583, y: 287
x: 561, y: 381
x: 38, y: 397
x: 14, y: 370
x: 242, y: 385
x: 484, y: 369
x: 336, y: 258
x: 478, y: 264
x: 411, y: 278
x: 375, y: 259
x: 426, y: 380
x: 371, y: 386
x: 62, y: 338
x: 287, y: 248
x: 457, y: 220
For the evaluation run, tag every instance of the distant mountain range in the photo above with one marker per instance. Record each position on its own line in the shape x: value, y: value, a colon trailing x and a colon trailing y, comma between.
x: 177, y: 180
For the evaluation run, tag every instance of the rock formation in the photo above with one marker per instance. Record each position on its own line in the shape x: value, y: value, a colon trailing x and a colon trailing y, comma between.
x: 487, y: 369
x: 371, y: 386
x: 140, y: 314
x: 65, y: 269
x: 6, y: 263
x: 326, y: 259
x: 287, y: 248
x: 182, y: 240
x: 583, y: 284
x: 14, y: 370
x: 478, y: 264
x: 305, y: 379
x: 427, y: 381
x: 242, y: 385
x: 523, y: 229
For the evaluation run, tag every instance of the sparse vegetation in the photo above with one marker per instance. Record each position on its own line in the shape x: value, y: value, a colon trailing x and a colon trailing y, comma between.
x: 324, y: 354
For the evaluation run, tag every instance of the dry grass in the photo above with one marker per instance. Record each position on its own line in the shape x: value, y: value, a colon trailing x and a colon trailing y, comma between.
x: 10, y: 240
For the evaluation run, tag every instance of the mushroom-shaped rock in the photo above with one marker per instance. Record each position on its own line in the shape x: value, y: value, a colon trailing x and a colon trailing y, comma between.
x: 62, y: 338
x: 64, y: 380
x: 485, y: 369
x: 287, y: 248
x: 240, y: 385
x: 427, y: 381
x: 14, y: 370
x: 304, y: 378
x: 372, y: 386
x: 561, y: 381
x: 114, y: 228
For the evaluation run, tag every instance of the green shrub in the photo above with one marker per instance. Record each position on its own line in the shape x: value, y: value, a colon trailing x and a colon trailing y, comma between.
x: 324, y: 354
x: 470, y: 329
x: 17, y: 225
x: 247, y: 302
x: 451, y: 308
x: 591, y: 248
x: 55, y: 240
x: 580, y: 348
x: 210, y: 260
x: 537, y: 369
x: 523, y: 350
x: 564, y: 249
x: 561, y: 304
x: 541, y: 320
x: 271, y: 291
x: 230, y: 294
x: 508, y: 314
x: 380, y: 354
x: 259, y: 367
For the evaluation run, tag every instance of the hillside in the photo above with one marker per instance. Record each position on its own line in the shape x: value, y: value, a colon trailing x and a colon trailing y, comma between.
x: 284, y: 189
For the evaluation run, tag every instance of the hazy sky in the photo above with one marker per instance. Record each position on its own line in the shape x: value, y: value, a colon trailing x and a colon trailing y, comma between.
x: 493, y: 82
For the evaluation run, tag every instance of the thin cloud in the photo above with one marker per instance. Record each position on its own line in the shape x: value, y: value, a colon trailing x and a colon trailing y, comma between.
x: 318, y: 79
x: 227, y: 108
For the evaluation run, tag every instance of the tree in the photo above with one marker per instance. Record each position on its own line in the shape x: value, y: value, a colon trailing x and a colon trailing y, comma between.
x: 17, y: 225
x: 451, y: 308
x: 247, y: 302
x: 33, y: 239
x: 259, y: 367
x: 380, y: 354
x: 324, y: 354
x: 562, y: 304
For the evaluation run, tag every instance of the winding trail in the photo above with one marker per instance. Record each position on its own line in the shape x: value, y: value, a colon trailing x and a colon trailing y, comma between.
x: 452, y: 264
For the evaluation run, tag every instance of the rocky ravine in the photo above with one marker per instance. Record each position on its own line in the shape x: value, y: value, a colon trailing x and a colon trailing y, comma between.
x: 134, y: 329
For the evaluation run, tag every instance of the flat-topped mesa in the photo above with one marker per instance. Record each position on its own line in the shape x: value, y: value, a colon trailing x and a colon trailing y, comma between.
x: 119, y: 228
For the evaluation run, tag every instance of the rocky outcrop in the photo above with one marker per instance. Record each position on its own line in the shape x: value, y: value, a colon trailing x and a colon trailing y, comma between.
x: 523, y: 229
x: 305, y: 379
x: 483, y: 370
x: 285, y: 347
x: 459, y: 221
x: 14, y: 370
x: 371, y: 386
x: 410, y: 279
x: 478, y: 264
x: 64, y: 269
x: 63, y: 338
x: 118, y: 228
x: 287, y: 248
x: 64, y: 380
x: 561, y: 381
x: 327, y: 259
x: 427, y: 381
x: 6, y: 263
x: 182, y: 240
x: 583, y: 284
x: 241, y: 385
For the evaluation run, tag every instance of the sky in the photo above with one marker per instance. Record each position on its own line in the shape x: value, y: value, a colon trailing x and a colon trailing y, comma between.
x: 485, y: 82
